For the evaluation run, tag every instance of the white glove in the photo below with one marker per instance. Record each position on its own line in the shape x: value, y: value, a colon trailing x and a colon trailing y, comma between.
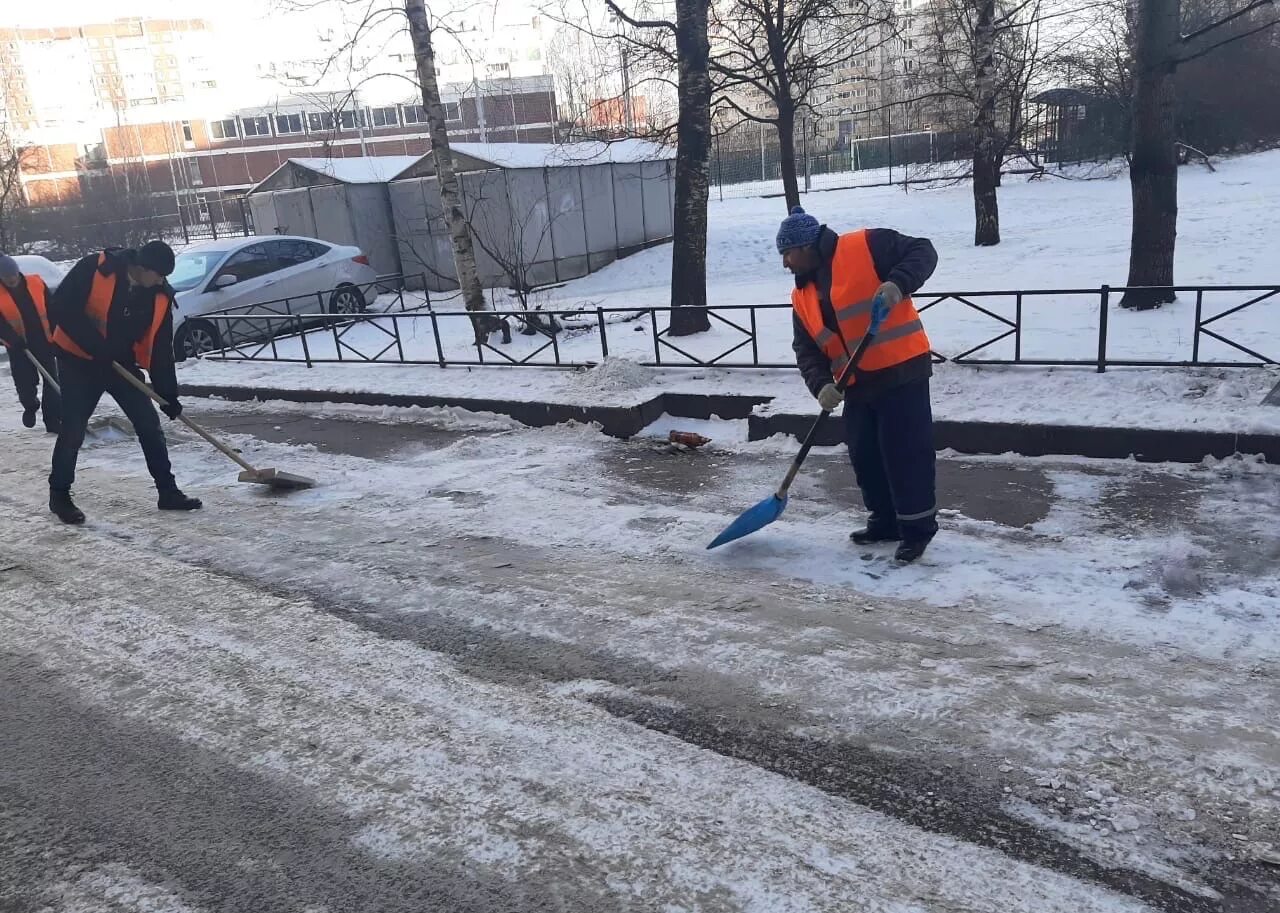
x: 830, y: 398
x: 891, y: 293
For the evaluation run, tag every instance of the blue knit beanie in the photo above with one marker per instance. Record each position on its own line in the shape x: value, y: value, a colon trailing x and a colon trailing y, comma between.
x: 9, y: 266
x: 797, y: 230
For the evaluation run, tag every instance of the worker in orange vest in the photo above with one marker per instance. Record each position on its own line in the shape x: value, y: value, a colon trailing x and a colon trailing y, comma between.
x: 115, y: 308
x: 846, y: 286
x: 24, y: 327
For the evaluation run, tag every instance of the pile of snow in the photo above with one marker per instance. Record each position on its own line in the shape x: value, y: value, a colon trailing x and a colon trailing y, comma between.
x: 615, y: 373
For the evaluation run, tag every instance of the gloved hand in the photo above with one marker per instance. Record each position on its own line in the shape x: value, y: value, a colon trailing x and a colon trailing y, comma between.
x: 830, y: 398
x: 888, y: 296
x: 172, y: 408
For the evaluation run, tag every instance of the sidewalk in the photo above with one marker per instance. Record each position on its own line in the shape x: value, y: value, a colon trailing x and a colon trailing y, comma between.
x: 623, y: 398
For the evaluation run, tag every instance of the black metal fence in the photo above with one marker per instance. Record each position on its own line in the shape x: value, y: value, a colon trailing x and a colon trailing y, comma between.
x: 67, y: 233
x: 301, y: 330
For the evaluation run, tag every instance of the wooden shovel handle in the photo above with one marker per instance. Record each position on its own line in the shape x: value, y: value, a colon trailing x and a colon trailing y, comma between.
x: 159, y: 400
x: 48, y: 378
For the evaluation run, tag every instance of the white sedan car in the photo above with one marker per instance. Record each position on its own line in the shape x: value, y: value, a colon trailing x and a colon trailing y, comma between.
x: 289, y: 275
x: 46, y: 269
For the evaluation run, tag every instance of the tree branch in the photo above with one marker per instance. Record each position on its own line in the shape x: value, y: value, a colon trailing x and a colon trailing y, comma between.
x: 640, y: 23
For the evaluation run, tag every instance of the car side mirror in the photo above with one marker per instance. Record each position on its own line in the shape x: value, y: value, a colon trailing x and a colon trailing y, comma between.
x: 225, y: 280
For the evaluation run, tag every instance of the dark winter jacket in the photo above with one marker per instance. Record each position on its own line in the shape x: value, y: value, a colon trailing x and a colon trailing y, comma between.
x: 906, y: 262
x: 35, y: 341
x: 128, y: 321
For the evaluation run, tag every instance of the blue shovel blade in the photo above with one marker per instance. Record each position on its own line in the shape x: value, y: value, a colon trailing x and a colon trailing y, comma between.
x: 752, y: 519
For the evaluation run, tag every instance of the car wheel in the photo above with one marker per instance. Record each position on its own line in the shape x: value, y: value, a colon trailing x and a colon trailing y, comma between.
x: 196, y: 338
x: 346, y: 299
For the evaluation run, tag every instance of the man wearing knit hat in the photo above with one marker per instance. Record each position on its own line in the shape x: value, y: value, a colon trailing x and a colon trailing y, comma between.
x: 846, y: 287
x: 115, y: 308
x: 24, y: 331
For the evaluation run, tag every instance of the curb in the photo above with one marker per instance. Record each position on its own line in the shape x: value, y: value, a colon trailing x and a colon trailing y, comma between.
x: 1147, y: 445
x: 1144, y: 444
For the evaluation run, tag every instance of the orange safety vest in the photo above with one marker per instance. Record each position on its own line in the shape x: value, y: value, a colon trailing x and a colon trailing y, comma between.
x: 9, y: 306
x: 98, y: 307
x: 854, y: 282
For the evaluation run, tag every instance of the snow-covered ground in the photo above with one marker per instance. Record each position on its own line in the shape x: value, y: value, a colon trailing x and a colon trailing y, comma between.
x: 1057, y: 234
x: 496, y: 668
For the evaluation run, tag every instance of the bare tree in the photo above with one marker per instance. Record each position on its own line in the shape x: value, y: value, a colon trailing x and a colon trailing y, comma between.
x: 13, y: 203
x: 980, y: 57
x: 1159, y: 48
x: 684, y: 43
x: 373, y: 16
x: 464, y: 257
x: 781, y: 54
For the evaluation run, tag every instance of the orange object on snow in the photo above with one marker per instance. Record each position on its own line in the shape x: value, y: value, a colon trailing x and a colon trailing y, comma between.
x: 688, y: 438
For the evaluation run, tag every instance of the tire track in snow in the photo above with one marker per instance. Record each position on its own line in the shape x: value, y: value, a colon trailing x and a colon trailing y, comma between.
x: 962, y: 804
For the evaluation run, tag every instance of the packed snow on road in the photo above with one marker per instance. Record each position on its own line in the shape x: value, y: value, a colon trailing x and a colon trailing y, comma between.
x: 483, y: 667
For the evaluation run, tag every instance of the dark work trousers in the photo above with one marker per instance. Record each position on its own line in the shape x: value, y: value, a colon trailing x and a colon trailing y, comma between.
x: 27, y: 381
x: 891, y: 447
x: 83, y: 384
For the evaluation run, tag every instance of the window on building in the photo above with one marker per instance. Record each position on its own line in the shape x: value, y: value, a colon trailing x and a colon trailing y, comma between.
x: 319, y: 121
x: 187, y: 136
x: 385, y: 117
x: 194, y: 176
x: 288, y: 123
x: 223, y: 129
x: 413, y: 114
x: 452, y: 111
x: 349, y: 119
x: 256, y: 126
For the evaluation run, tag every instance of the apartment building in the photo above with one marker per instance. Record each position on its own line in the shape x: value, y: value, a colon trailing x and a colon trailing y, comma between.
x: 137, y: 105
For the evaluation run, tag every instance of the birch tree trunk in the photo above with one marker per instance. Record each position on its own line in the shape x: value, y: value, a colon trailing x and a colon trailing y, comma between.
x: 987, y: 150
x: 464, y: 257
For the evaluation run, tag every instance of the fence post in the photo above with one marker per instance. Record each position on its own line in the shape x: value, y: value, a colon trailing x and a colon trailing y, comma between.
x: 302, y: 335
x: 657, y: 349
x: 719, y: 170
x: 1017, y: 330
x: 604, y: 339
x: 889, y: 126
x: 435, y: 330
x: 1102, y: 328
x: 755, y: 348
x: 1195, y: 338
x: 762, y: 175
x: 804, y: 126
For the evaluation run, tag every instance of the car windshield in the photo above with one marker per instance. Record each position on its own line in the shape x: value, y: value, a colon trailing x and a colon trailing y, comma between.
x: 193, y: 267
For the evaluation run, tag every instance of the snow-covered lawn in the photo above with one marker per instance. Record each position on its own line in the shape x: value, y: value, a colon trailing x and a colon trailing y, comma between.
x: 1057, y: 234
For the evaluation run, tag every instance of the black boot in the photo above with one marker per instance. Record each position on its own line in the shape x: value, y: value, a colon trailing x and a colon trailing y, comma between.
x: 875, y: 532
x: 64, y: 508
x: 174, y: 499
x: 910, y: 550
x: 29, y: 415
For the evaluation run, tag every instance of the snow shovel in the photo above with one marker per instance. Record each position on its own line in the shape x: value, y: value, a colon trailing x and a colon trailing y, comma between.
x: 771, y: 508
x: 273, y: 478
x: 97, y: 425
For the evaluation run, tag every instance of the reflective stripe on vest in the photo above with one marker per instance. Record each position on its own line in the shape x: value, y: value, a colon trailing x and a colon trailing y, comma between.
x: 854, y: 282
x: 10, y: 313
x: 98, y: 309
